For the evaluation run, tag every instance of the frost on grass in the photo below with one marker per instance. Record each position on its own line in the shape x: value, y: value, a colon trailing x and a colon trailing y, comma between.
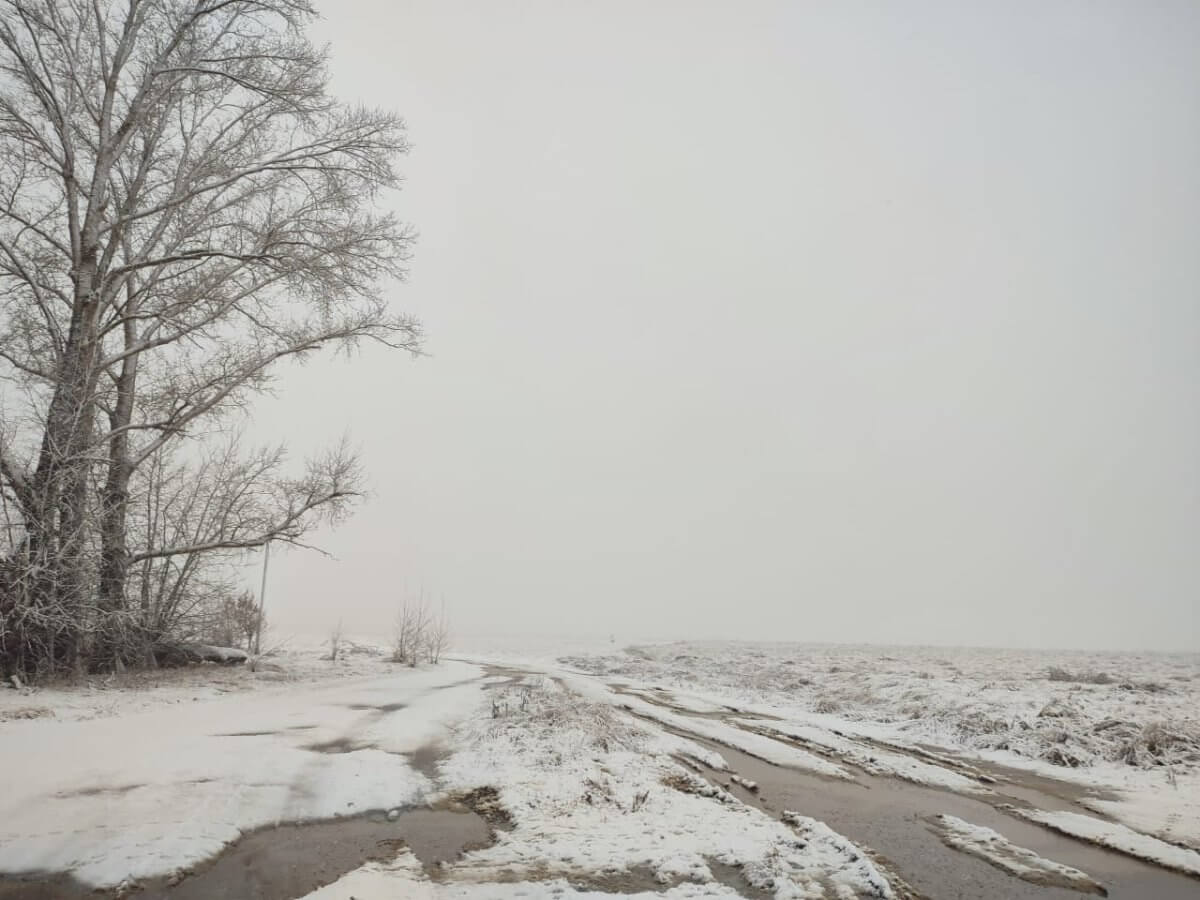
x: 1072, y: 709
x: 1123, y: 726
x: 1115, y: 836
x: 592, y: 792
x: 995, y: 848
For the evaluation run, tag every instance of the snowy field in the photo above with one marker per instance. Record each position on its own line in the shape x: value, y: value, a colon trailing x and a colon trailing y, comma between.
x: 599, y: 771
x: 1069, y: 708
x: 1128, y: 723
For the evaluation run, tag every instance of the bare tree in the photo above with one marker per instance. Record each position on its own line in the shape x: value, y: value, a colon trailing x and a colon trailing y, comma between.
x: 182, y: 206
x: 438, y: 639
x: 411, y: 635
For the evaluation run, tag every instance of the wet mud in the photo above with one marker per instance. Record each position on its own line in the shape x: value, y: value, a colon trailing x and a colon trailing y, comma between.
x: 889, y: 817
x: 289, y: 861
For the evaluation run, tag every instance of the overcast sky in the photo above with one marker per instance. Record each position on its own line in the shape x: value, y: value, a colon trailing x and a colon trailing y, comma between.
x: 782, y: 320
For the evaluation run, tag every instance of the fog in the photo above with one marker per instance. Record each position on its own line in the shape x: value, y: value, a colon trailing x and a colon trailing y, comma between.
x: 792, y: 321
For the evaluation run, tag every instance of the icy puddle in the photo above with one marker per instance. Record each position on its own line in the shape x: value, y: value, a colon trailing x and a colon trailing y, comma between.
x: 292, y: 860
x: 892, y: 817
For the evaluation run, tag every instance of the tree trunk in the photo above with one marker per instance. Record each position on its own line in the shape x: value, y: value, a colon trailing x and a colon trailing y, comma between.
x: 114, y: 552
x: 62, y: 472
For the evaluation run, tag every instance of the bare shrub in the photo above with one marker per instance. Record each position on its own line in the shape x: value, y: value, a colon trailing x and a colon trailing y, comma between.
x: 335, y: 641
x: 1057, y: 673
x: 1161, y: 744
x: 1145, y: 687
x: 439, y: 637
x: 411, y: 633
x: 419, y: 634
x: 27, y: 712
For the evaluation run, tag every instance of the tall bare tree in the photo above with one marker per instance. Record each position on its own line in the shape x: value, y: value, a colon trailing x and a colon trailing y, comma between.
x: 182, y: 206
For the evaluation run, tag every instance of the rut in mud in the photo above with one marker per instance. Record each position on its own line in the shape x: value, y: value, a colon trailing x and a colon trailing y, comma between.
x: 890, y: 819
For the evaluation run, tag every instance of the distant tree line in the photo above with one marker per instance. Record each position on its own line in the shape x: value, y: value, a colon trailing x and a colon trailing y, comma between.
x: 182, y: 207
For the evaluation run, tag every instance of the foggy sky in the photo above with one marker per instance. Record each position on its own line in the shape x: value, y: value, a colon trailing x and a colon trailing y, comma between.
x: 777, y: 320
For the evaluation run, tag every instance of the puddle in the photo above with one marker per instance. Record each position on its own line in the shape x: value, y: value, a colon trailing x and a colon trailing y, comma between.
x: 289, y: 861
x: 511, y: 676
x: 39, y: 887
x: 292, y: 860
x: 643, y: 879
x: 425, y: 759
x: 633, y: 880
x: 454, y: 684
x: 381, y: 708
x: 1010, y: 859
x: 1030, y: 786
x: 100, y: 791
x: 888, y: 816
x: 338, y: 745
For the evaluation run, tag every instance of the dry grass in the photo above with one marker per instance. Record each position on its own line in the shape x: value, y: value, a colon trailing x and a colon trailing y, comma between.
x: 539, y: 707
x: 1055, y: 673
x: 27, y: 712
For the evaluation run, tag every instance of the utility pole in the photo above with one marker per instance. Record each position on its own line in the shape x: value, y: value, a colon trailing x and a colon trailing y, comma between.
x: 262, y: 599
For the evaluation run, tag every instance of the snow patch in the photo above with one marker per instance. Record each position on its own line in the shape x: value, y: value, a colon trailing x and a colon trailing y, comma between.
x: 165, y: 789
x: 995, y: 848
x: 1116, y: 837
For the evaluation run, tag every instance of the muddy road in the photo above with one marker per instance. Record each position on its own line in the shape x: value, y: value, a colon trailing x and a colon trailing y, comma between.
x: 892, y: 819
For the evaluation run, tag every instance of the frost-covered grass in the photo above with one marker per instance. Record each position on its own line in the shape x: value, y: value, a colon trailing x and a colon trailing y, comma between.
x: 592, y: 792
x: 1125, y: 725
x: 1071, y: 709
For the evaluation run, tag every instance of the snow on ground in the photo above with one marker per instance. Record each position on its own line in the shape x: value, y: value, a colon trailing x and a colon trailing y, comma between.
x: 731, y: 736
x: 874, y: 759
x: 998, y: 850
x: 974, y: 698
x: 1116, y: 837
x: 1126, y: 725
x: 162, y: 780
x: 595, y: 797
x: 293, y: 663
x: 144, y: 794
x: 383, y: 881
x: 591, y: 789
